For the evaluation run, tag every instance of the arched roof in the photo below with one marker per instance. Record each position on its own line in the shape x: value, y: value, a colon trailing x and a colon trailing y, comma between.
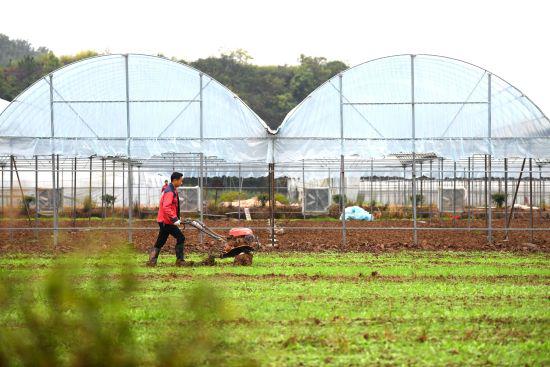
x: 459, y: 109
x: 143, y: 105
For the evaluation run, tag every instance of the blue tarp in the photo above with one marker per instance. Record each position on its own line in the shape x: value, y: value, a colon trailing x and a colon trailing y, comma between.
x: 358, y: 213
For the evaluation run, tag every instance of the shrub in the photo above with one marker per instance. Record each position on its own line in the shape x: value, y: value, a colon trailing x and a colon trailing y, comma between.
x: 26, y: 202
x: 230, y: 196
x: 263, y: 198
x: 419, y: 199
x: 499, y: 198
x: 336, y: 199
x: 281, y: 198
x: 88, y: 204
x: 108, y: 200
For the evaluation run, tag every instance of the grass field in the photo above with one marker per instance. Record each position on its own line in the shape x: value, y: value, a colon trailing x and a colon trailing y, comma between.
x: 407, y: 308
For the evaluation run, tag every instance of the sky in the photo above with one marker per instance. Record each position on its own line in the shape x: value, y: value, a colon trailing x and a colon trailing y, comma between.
x: 508, y: 38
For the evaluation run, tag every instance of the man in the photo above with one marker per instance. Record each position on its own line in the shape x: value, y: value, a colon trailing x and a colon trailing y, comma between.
x: 164, y: 186
x: 169, y: 219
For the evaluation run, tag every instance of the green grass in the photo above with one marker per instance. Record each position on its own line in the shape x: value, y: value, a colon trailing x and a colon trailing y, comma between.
x: 422, y: 308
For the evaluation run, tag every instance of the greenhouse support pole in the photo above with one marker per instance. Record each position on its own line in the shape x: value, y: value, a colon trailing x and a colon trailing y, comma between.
x: 485, y: 193
x: 490, y: 158
x: 25, y: 204
x: 3, y: 193
x: 272, y: 202
x: 129, y: 152
x: 511, y: 215
x: 54, y: 193
x: 370, y: 181
x: 103, y: 188
x: 469, y: 197
x: 303, y: 188
x: 36, y: 194
x: 531, y: 197
x: 90, y: 193
x: 123, y: 189
x: 541, y: 198
x: 139, y: 191
x: 11, y: 185
x: 431, y: 190
x: 240, y: 191
x: 201, y: 184
x: 201, y: 179
x: 505, y: 194
x: 454, y: 191
x: 413, y: 168
x: 113, y: 208
x: 74, y: 192
x: 342, y: 173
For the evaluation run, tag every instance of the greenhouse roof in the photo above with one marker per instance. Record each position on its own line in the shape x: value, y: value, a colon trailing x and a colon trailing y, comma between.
x: 450, y: 108
x: 131, y: 105
x: 142, y: 106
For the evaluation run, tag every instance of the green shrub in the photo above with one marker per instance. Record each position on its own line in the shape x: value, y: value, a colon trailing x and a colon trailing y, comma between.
x: 419, y: 199
x: 108, y: 200
x: 499, y: 198
x: 281, y: 198
x: 88, y: 204
x: 336, y: 199
x: 263, y: 198
x: 230, y: 196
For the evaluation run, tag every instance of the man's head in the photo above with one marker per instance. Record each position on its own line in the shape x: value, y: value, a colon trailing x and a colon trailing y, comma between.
x: 166, y: 182
x: 177, y: 179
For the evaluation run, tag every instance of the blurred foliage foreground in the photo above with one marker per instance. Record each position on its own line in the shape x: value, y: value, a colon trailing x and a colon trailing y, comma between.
x: 75, y: 317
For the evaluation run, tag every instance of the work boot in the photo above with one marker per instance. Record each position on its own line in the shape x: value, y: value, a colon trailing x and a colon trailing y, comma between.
x: 182, y: 262
x: 153, y: 256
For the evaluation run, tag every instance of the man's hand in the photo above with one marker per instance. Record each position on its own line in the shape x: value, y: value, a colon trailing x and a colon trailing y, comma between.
x: 177, y: 223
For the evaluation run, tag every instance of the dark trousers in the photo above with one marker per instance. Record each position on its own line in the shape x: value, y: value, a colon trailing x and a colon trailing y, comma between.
x: 169, y: 229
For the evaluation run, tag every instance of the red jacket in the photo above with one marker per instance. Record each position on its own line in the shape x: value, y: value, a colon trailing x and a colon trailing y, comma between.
x: 169, y: 206
x: 163, y: 188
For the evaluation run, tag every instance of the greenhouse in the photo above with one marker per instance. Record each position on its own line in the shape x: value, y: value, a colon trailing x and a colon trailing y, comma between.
x: 431, y: 146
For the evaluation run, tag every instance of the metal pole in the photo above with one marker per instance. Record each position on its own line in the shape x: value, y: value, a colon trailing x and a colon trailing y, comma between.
x: 201, y: 183
x: 342, y: 176
x: 303, y: 189
x: 2, y: 190
x: 541, y: 197
x: 129, y: 153
x: 52, y: 132
x: 531, y: 197
x: 139, y: 191
x: 506, y: 193
x: 74, y: 192
x: 36, y: 193
x: 489, y: 131
x: 113, y: 209
x: 454, y: 191
x: 431, y: 190
x: 515, y: 196
x: 90, y: 193
x: 370, y: 181
x: 272, y: 202
x: 240, y: 190
x: 469, y: 192
x: 413, y: 117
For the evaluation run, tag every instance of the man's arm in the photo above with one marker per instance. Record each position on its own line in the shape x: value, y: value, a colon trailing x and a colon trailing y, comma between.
x: 168, y: 208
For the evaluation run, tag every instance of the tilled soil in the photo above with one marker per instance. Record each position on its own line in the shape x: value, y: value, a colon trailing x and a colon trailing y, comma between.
x: 292, y: 235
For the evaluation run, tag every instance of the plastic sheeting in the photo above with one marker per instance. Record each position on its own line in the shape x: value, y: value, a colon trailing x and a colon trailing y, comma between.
x: 356, y: 213
x: 458, y: 109
x: 136, y: 105
x: 3, y: 104
x: 144, y: 106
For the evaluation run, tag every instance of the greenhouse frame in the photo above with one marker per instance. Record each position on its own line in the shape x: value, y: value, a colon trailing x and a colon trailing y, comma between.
x: 404, y: 131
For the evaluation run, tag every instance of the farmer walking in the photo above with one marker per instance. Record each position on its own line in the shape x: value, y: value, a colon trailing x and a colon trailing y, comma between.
x: 168, y: 220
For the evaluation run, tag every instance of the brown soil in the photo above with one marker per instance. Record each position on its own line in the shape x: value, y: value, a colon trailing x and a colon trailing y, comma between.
x: 298, y: 235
